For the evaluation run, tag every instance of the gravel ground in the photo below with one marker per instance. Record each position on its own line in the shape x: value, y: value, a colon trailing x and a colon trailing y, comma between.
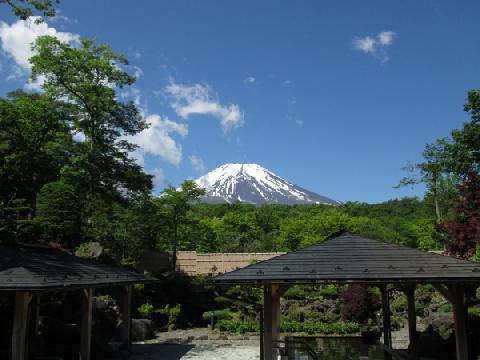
x: 197, y: 344
x: 195, y: 352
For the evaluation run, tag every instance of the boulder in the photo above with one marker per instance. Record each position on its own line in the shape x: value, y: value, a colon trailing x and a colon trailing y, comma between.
x: 142, y: 329
x: 91, y: 250
x: 440, y: 320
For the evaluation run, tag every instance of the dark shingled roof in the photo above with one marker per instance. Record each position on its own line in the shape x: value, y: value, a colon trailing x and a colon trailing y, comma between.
x: 351, y: 258
x: 34, y: 268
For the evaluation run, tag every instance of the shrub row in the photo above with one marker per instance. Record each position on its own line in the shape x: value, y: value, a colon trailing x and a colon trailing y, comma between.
x: 314, y: 327
x: 291, y: 326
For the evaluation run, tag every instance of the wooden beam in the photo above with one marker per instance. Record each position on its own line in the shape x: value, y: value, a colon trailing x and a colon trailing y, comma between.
x: 460, y: 318
x: 127, y: 317
x: 445, y: 292
x: 19, y: 334
x: 86, y: 327
x: 387, y: 327
x: 271, y: 320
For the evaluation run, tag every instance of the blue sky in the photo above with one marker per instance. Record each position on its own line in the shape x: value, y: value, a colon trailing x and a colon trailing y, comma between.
x: 335, y: 96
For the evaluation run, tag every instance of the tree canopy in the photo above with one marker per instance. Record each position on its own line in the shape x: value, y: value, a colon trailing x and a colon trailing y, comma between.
x: 24, y: 9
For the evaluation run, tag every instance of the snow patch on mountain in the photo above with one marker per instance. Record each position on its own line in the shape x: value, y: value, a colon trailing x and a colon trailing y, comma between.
x: 254, y: 184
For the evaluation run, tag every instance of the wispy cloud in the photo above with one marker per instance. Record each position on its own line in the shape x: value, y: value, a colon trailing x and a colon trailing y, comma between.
x: 375, y: 45
x: 137, y: 71
x: 197, y: 163
x: 16, y: 41
x: 159, y: 178
x: 249, y: 80
x: 159, y: 139
x: 199, y: 99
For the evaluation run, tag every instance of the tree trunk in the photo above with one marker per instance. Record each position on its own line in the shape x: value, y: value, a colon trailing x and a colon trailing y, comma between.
x: 435, y: 197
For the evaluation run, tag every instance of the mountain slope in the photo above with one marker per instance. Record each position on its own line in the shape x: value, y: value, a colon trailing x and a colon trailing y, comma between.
x: 254, y: 184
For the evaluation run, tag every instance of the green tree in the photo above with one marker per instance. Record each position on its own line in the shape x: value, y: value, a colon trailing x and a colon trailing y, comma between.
x: 174, y: 205
x: 27, y: 8
x: 58, y: 213
x: 430, y: 172
x: 87, y: 77
x: 463, y: 152
x: 238, y: 232
x: 35, y: 144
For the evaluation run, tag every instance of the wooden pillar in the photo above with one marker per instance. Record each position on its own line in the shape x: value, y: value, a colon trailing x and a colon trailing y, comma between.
x: 412, y: 316
x: 86, y: 330
x: 36, y: 314
x: 19, y: 334
x: 127, y: 316
x: 460, y: 318
x: 262, y: 352
x: 387, y: 328
x: 271, y: 320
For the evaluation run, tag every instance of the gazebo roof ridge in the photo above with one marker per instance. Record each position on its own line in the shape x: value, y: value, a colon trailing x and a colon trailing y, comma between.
x: 27, y: 268
x: 348, y: 257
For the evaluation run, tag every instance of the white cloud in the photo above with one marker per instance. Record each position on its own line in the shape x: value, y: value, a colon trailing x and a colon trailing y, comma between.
x: 299, y: 122
x: 16, y: 41
x: 375, y: 46
x: 159, y: 178
x: 137, y: 72
x: 249, y: 80
x: 287, y: 82
x: 132, y: 93
x: 366, y: 44
x: 386, y: 37
x: 18, y: 37
x: 198, y: 99
x: 197, y: 163
x: 159, y: 140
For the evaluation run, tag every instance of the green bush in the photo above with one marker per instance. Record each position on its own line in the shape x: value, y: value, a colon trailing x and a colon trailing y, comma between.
x: 172, y: 314
x: 474, y: 311
x: 146, y: 310
x: 295, y: 293
x: 224, y: 314
x: 237, y: 326
x: 314, y: 327
x: 330, y: 292
x: 446, y: 308
x: 399, y: 304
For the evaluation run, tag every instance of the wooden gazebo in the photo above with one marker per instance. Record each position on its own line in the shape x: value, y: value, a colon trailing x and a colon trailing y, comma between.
x: 29, y: 271
x: 348, y: 258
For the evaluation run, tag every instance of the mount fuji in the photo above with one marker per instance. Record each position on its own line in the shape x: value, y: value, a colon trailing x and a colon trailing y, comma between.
x: 254, y: 184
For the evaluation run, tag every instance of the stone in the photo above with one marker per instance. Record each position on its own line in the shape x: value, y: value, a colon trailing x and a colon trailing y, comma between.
x: 142, y: 329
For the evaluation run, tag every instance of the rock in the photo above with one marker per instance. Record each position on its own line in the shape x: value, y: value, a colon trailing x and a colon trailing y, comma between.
x: 142, y: 329
x: 91, y: 250
x: 440, y: 320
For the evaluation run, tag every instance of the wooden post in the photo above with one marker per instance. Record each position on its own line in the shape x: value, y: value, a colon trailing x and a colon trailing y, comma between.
x: 412, y: 317
x: 262, y: 352
x: 19, y: 334
x: 127, y: 317
x: 271, y: 320
x: 387, y: 329
x: 36, y: 314
x: 86, y: 331
x: 460, y: 318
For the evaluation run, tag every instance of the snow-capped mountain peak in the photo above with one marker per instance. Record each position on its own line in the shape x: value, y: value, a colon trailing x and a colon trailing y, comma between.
x: 254, y: 184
